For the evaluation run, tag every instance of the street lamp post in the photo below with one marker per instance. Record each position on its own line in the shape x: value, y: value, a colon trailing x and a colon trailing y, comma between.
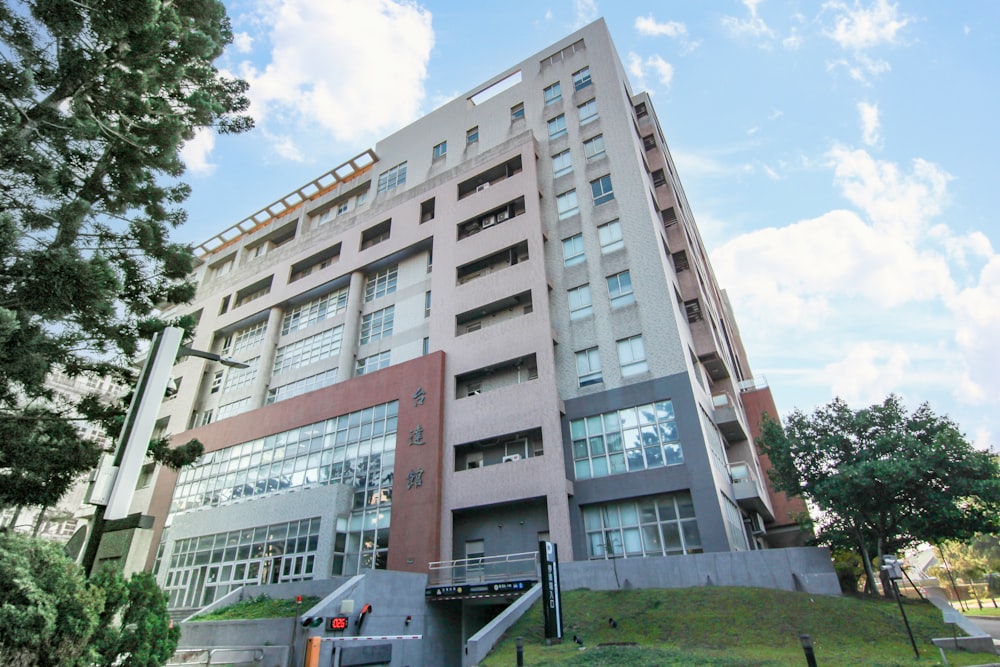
x: 111, y: 513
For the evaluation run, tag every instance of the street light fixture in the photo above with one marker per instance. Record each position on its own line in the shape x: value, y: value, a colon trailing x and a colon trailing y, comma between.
x: 111, y: 512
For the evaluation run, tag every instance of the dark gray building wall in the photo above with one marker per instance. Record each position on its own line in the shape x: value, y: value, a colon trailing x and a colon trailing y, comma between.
x: 695, y: 474
x: 504, y: 529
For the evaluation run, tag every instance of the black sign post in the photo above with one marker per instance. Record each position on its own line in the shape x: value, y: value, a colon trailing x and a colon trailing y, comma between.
x: 551, y: 595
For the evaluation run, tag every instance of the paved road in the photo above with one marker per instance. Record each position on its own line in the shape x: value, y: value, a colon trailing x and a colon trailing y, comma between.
x: 990, y: 626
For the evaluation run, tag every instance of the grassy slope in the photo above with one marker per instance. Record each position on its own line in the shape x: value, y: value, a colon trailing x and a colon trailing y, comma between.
x: 731, y: 626
x: 259, y: 607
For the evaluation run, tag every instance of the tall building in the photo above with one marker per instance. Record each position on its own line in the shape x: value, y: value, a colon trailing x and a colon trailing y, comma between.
x: 499, y: 325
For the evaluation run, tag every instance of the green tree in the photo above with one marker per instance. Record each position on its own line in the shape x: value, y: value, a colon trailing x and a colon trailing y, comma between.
x: 96, y: 99
x: 48, y: 611
x: 881, y: 479
x: 134, y: 628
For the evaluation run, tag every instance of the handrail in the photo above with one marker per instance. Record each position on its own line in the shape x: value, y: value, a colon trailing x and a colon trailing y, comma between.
x: 484, y: 569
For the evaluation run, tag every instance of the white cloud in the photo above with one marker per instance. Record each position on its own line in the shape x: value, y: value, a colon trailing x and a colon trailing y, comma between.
x: 868, y: 114
x: 869, y: 372
x: 654, y: 66
x: 894, y: 201
x: 794, y: 40
x: 857, y: 28
x: 586, y: 11
x: 325, y: 73
x: 647, y: 25
x: 195, y: 152
x: 243, y: 42
x: 751, y: 26
x: 977, y: 316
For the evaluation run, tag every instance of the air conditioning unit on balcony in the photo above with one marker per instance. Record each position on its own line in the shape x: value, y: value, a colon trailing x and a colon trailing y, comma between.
x: 489, y: 221
x: 511, y: 457
x: 502, y: 215
x: 482, y: 186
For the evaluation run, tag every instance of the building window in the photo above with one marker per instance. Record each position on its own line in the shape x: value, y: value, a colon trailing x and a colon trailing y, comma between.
x: 343, y: 207
x: 427, y: 210
x: 381, y: 283
x: 573, y: 250
x: 472, y: 135
x: 217, y: 382
x: 581, y: 79
x: 313, y: 312
x: 566, y: 203
x: 377, y: 325
x: 517, y: 112
x: 659, y: 178
x: 238, y: 378
x: 602, y: 190
x: 392, y: 178
x: 640, y: 110
x: 553, y: 93
x: 377, y: 234
x: 246, y: 338
x: 625, y: 440
x: 648, y: 142
x: 427, y: 346
x: 427, y: 303
x: 240, y: 558
x: 662, y: 525
x: 557, y: 126
x: 372, y: 363
x: 233, y: 409
x: 308, y: 350
x: 610, y: 236
x: 440, y: 150
x: 299, y: 387
x: 588, y: 112
x: 579, y: 302
x: 632, y: 356
x: 620, y: 289
x: 562, y: 163
x: 588, y: 367
x: 594, y: 147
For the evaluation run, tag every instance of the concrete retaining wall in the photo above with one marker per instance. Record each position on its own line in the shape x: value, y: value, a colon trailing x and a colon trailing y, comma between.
x: 807, y: 569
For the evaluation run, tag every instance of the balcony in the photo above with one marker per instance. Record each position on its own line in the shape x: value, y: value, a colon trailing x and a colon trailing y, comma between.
x: 749, y: 490
x: 728, y: 416
x: 507, y: 575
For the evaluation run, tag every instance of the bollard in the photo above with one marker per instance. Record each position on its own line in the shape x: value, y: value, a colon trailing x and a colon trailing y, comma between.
x: 519, y: 643
x: 807, y: 648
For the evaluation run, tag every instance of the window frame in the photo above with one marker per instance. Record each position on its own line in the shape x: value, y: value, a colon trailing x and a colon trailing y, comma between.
x: 392, y: 178
x: 567, y: 204
x: 581, y: 302
x: 582, y: 78
x: 440, y: 150
x: 562, y: 156
x: 602, y: 189
x: 634, y: 364
x: 614, y: 231
x: 559, y: 122
x: 589, y: 105
x: 597, y: 138
x: 572, y: 242
x: 552, y: 93
x: 591, y: 374
x: 620, y: 294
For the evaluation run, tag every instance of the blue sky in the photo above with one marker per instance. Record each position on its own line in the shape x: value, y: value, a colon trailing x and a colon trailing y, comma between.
x: 839, y: 158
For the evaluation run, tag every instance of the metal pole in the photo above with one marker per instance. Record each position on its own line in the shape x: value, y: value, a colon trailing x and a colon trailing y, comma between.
x: 139, y: 423
x: 519, y: 643
x: 899, y: 599
x: 807, y: 648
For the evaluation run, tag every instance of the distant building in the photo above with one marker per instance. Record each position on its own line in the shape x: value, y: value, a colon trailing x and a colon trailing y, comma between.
x: 498, y: 326
x: 60, y: 522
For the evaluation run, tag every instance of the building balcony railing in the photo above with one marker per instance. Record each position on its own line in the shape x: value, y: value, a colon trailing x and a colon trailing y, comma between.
x: 728, y: 416
x: 749, y: 489
x: 484, y: 569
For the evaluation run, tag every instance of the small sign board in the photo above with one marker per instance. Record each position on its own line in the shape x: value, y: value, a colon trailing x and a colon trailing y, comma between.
x: 337, y: 624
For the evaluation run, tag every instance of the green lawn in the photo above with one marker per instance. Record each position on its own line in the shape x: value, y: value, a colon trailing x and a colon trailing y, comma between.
x: 259, y: 607
x: 728, y: 627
